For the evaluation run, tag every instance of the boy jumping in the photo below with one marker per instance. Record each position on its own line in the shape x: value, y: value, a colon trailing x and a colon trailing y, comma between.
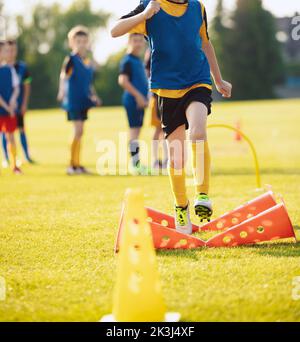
x: 76, y: 91
x: 182, y: 59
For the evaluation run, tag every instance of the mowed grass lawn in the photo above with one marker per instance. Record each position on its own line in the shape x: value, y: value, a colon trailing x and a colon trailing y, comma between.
x: 57, y: 232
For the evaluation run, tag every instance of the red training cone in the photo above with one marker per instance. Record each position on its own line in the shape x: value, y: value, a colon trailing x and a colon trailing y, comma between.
x: 164, y: 219
x: 242, y: 213
x: 272, y: 224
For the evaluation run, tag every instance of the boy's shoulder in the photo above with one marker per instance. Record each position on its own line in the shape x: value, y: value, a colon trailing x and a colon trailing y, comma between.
x: 126, y: 58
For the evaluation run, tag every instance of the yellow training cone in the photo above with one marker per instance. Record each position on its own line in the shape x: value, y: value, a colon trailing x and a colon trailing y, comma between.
x: 138, y: 296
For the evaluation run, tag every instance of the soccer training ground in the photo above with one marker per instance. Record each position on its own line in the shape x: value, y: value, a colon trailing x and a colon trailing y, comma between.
x: 57, y: 232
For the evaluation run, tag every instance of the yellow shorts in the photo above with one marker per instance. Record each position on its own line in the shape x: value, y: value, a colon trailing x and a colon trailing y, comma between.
x: 155, y: 121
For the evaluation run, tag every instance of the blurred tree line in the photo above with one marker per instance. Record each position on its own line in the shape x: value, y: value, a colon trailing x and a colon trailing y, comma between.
x: 43, y: 44
x: 250, y: 55
x: 245, y: 42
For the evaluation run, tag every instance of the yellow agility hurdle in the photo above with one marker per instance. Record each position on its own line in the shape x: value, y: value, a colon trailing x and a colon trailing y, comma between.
x: 251, y: 145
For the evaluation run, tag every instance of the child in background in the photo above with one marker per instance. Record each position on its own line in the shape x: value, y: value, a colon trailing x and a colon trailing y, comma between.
x: 76, y: 92
x: 155, y: 122
x: 9, y: 92
x: 23, y: 99
x: 133, y: 80
x: 182, y: 61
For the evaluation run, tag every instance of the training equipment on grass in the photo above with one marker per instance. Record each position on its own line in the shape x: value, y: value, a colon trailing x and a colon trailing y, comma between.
x: 138, y: 296
x: 242, y: 213
x: 251, y: 145
x: 272, y: 224
x: 237, y: 135
x: 259, y: 220
x: 163, y: 232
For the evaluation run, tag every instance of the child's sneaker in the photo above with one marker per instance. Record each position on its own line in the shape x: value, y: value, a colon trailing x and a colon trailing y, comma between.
x: 71, y: 170
x: 5, y: 164
x: 81, y: 170
x: 203, y: 207
x: 183, y: 221
x: 17, y: 171
x: 141, y: 170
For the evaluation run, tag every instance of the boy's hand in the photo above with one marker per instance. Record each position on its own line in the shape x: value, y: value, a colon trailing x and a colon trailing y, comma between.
x: 23, y: 109
x: 152, y: 9
x: 60, y: 96
x: 12, y: 107
x: 224, y: 88
x: 141, y: 101
x: 96, y: 99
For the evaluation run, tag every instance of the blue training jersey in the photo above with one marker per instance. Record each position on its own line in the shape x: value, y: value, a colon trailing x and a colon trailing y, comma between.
x: 134, y: 68
x: 6, y: 86
x: 177, y: 58
x: 24, y: 76
x: 78, y: 85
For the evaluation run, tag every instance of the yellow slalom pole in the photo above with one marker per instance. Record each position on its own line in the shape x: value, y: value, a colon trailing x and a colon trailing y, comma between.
x: 251, y: 145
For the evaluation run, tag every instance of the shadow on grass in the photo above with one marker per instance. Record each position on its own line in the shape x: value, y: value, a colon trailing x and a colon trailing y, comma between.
x: 283, y: 249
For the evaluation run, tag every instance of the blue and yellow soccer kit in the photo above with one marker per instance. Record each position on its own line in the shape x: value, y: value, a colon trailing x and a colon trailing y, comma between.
x: 24, y: 78
x: 133, y: 67
x: 9, y: 82
x: 180, y: 72
x: 78, y: 86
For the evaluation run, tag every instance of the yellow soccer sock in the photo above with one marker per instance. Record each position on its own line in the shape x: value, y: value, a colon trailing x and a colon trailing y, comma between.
x: 201, y: 166
x: 77, y: 153
x: 13, y: 155
x: 177, y: 179
x: 74, y: 160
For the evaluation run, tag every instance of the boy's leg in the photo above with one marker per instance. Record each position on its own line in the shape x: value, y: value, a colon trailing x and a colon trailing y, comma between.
x: 134, y: 147
x: 12, y: 149
x: 155, y: 147
x: 4, y: 147
x: 176, y: 166
x: 76, y: 143
x: 23, y: 137
x: 197, y: 118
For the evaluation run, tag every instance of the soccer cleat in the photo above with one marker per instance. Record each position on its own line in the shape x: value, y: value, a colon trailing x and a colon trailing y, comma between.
x: 17, y: 171
x: 30, y: 161
x: 203, y: 207
x: 157, y: 165
x: 5, y: 164
x: 165, y: 163
x: 141, y: 170
x: 81, y: 170
x: 183, y: 221
x: 71, y: 171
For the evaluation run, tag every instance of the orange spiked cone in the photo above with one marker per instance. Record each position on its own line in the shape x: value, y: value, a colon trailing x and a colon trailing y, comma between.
x: 242, y: 213
x: 272, y: 224
x: 166, y: 238
x: 163, y: 219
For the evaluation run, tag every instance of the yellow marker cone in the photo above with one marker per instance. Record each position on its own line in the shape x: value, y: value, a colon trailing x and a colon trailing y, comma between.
x: 138, y: 296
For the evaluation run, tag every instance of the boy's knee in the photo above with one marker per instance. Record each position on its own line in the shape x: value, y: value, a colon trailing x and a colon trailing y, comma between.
x: 176, y: 162
x: 197, y: 134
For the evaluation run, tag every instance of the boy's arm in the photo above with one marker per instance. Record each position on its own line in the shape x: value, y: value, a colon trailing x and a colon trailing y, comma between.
x: 66, y: 70
x: 222, y: 86
x: 27, y: 92
x: 94, y: 97
x: 125, y: 25
x: 16, y: 92
x: 4, y: 105
x: 125, y: 83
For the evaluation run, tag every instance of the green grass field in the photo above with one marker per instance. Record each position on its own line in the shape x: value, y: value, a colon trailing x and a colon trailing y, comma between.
x: 57, y: 232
